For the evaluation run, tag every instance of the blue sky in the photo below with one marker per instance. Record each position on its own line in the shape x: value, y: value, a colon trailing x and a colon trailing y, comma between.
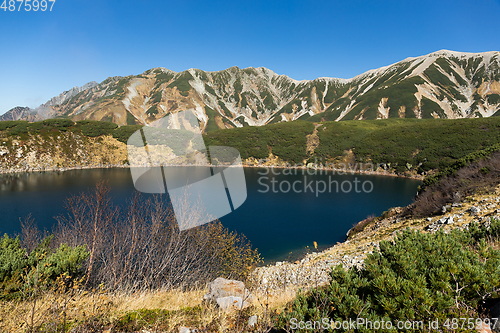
x: 44, y: 53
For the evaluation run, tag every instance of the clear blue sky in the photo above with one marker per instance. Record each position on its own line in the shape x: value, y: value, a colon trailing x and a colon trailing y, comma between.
x: 45, y: 53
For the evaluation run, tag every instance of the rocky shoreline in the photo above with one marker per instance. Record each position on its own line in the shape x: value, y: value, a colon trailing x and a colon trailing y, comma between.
x: 71, y: 151
x: 62, y: 169
x: 276, y: 163
x: 313, y: 269
x: 61, y: 152
x: 25, y: 167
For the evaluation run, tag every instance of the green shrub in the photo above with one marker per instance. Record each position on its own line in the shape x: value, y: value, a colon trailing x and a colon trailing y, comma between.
x: 458, y: 164
x: 59, y: 123
x: 285, y: 140
x: 9, y: 124
x: 182, y: 82
x: 130, y: 119
x: 37, y: 126
x: 138, y: 319
x: 418, y: 277
x: 211, y: 113
x: 95, y: 128
x: 18, y: 127
x: 424, y: 143
x: 485, y: 170
x: 17, y: 267
x: 493, y: 98
x: 478, y: 171
x: 123, y: 133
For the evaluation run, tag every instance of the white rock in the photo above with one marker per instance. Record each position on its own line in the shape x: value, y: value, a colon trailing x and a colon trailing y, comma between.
x: 252, y: 321
x: 232, y: 303
x: 221, y: 287
x: 183, y: 329
x: 474, y: 210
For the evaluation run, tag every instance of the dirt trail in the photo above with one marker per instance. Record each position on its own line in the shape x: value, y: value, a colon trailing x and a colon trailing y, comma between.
x: 312, y: 140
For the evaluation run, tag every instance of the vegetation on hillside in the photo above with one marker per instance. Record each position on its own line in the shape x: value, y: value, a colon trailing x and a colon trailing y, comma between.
x: 479, y: 171
x: 475, y: 172
x: 418, y: 277
x: 404, y: 146
x: 407, y: 146
x: 90, y: 128
x: 43, y: 265
x: 285, y: 140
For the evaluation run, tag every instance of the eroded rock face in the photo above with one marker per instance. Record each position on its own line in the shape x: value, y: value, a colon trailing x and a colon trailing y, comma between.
x: 65, y: 151
x: 228, y: 294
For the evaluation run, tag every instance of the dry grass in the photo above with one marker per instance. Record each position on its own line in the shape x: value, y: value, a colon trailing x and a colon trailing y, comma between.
x: 160, y: 299
x: 106, y: 310
x: 361, y: 225
x: 83, y: 305
x: 50, y: 310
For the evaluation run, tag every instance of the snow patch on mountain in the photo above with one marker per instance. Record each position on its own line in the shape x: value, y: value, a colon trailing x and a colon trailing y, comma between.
x: 346, y: 110
x: 132, y: 93
x: 383, y: 110
x: 423, y: 66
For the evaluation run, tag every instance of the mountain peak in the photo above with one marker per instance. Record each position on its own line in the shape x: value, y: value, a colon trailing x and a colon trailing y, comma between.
x: 158, y: 69
x: 442, y: 84
x: 457, y: 54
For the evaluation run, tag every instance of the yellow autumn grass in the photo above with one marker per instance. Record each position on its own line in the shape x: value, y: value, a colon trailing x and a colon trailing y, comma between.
x: 50, y: 308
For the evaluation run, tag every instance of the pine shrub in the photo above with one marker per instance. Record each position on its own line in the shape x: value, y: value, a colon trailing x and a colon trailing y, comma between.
x: 418, y: 277
x: 18, y: 268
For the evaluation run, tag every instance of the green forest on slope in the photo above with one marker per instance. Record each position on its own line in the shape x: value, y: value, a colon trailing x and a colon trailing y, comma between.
x: 407, y: 146
x: 417, y: 145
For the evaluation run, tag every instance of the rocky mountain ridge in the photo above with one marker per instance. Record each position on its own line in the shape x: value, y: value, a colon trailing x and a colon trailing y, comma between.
x: 443, y: 84
x: 20, y: 113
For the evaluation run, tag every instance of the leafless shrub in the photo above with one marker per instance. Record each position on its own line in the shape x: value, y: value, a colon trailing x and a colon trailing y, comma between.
x: 141, y: 247
x: 30, y: 234
x: 482, y: 175
x: 361, y: 225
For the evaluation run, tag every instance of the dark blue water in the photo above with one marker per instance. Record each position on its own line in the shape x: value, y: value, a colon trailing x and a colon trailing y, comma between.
x: 279, y: 221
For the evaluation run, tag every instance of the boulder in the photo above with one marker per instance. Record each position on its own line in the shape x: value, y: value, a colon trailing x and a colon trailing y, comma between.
x: 228, y: 294
x: 183, y: 329
x: 232, y: 303
x: 474, y: 210
x: 252, y: 321
x: 221, y: 287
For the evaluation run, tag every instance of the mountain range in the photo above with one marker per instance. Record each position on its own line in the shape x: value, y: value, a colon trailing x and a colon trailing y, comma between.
x: 443, y: 84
